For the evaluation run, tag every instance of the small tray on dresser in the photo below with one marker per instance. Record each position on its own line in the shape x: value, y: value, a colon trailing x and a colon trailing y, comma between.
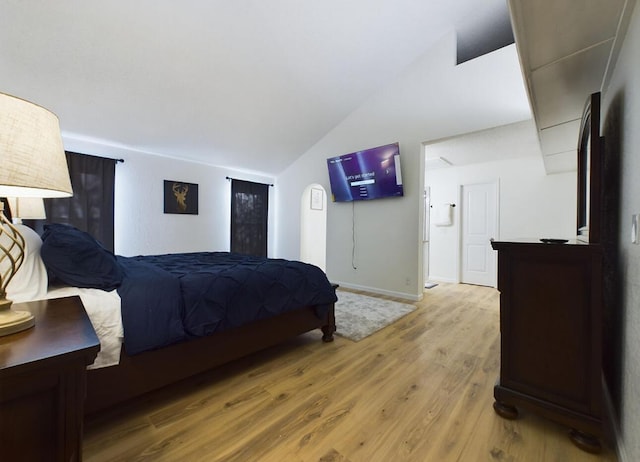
x: 548, y: 240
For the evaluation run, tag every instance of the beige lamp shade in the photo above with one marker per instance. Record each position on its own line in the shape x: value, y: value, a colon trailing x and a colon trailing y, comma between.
x: 32, y: 164
x: 32, y: 159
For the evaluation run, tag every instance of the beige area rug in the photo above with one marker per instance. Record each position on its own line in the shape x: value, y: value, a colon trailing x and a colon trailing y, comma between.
x: 358, y: 316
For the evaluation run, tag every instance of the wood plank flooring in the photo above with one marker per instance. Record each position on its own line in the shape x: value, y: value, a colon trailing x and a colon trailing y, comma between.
x: 419, y: 390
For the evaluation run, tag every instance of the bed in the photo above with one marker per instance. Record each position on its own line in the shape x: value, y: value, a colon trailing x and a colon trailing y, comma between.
x: 163, y: 318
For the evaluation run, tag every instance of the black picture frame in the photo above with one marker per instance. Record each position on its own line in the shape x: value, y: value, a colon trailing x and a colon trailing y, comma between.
x: 180, y: 197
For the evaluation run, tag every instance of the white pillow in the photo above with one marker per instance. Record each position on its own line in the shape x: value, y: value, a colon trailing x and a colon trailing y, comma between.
x: 30, y: 282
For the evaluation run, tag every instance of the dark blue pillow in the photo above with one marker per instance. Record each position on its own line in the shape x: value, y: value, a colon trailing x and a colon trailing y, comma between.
x: 77, y: 259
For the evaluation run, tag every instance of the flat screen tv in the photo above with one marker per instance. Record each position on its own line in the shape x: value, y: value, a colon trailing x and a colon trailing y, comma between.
x: 370, y: 174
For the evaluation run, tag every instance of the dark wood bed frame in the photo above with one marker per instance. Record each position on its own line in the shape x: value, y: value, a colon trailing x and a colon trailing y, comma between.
x: 142, y: 373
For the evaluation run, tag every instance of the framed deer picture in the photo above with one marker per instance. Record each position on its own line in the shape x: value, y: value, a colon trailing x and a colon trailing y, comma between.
x: 180, y: 197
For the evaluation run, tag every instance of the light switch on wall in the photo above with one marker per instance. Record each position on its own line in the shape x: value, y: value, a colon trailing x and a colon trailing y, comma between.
x: 634, y: 229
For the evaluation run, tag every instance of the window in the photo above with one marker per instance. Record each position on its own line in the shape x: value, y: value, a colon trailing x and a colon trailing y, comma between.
x: 90, y: 208
x: 249, y: 214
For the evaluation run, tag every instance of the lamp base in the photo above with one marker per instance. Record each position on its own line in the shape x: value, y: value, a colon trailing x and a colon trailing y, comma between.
x: 14, y: 321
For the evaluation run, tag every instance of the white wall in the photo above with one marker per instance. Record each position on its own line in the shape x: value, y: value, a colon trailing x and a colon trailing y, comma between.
x: 621, y: 121
x: 388, y: 252
x: 142, y: 227
x: 531, y: 205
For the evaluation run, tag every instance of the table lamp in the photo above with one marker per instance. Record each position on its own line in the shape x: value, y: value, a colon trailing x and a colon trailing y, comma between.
x: 32, y: 164
x: 26, y: 208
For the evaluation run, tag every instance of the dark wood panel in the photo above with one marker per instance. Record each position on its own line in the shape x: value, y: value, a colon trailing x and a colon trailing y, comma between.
x: 42, y: 382
x: 30, y: 418
x: 551, y: 333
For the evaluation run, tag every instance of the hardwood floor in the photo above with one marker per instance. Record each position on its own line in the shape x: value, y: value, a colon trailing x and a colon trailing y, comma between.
x: 419, y: 390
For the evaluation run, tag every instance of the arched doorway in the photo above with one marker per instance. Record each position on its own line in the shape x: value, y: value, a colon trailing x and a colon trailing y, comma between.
x: 313, y: 226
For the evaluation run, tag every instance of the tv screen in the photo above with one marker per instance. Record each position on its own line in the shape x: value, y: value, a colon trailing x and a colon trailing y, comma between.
x: 370, y: 174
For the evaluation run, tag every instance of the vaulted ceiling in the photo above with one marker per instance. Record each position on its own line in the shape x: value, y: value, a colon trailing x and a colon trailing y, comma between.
x: 249, y: 84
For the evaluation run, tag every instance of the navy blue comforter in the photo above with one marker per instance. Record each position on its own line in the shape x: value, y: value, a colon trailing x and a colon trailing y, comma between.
x: 174, y: 297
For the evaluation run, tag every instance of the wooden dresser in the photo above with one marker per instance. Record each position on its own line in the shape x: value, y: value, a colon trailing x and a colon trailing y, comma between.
x: 551, y: 335
x: 42, y: 382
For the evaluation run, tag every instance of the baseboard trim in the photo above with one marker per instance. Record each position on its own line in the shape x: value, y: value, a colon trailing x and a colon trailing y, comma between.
x: 433, y: 278
x: 375, y: 290
x: 618, y: 443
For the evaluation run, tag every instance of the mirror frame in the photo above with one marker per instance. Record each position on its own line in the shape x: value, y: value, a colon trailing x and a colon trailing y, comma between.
x: 589, y: 173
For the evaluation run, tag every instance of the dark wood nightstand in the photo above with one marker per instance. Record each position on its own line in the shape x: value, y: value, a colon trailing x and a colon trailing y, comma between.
x: 42, y: 382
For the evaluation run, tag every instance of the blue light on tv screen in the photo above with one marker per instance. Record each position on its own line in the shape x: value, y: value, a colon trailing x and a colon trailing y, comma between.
x: 370, y: 174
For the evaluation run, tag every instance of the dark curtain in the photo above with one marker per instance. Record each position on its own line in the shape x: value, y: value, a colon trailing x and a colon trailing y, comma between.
x: 249, y: 213
x: 90, y: 208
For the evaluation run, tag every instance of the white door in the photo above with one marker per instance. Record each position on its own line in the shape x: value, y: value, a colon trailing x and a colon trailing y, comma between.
x: 479, y: 225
